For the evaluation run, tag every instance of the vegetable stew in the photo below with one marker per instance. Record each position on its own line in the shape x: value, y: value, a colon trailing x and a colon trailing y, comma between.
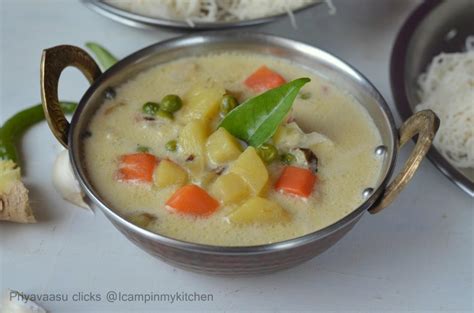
x: 232, y: 149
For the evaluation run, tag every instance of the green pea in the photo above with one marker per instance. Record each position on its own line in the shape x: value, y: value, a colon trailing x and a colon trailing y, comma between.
x: 150, y: 108
x: 171, y: 103
x: 228, y: 103
x: 287, y: 158
x: 165, y: 114
x: 305, y: 95
x: 171, y: 145
x: 143, y: 149
x: 267, y: 152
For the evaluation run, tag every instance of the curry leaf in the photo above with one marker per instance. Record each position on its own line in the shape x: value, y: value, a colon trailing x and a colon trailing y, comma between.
x: 258, y: 118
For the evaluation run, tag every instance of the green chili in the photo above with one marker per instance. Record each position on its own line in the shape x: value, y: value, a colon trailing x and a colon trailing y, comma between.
x: 12, y: 130
x: 104, y: 57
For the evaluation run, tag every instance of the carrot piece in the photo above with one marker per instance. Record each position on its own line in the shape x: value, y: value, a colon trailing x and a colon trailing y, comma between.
x: 193, y: 200
x: 263, y: 79
x: 137, y: 167
x: 296, y: 181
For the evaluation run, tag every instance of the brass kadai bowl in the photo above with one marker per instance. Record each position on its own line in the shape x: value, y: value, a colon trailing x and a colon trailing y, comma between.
x: 242, y: 259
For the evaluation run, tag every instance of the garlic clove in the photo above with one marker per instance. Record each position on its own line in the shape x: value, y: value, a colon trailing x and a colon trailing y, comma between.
x: 65, y: 182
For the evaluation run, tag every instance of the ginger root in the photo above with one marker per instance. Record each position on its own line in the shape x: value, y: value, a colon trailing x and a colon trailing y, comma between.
x: 14, y: 203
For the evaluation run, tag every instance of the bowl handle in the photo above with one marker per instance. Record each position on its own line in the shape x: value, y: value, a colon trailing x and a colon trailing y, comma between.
x: 425, y: 124
x: 53, y: 62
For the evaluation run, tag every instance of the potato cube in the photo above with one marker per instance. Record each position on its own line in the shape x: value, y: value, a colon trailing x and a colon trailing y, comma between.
x: 222, y: 147
x: 259, y: 210
x: 168, y: 173
x: 192, y: 141
x: 288, y: 136
x: 251, y: 169
x: 202, y: 103
x: 230, y: 188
